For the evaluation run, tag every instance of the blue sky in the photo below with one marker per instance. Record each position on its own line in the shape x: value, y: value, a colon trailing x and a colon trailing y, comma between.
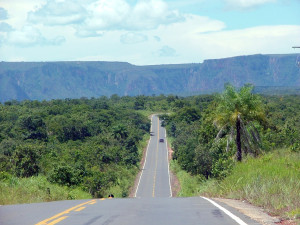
x: 145, y: 32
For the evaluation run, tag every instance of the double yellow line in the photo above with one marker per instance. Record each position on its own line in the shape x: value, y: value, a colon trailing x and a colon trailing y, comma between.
x: 61, y: 216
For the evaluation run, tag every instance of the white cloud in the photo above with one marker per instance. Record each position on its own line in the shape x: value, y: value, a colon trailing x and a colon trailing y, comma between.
x: 150, y: 14
x: 166, y: 51
x: 142, y: 32
x: 262, y: 39
x: 107, y: 14
x: 58, y: 12
x: 119, y: 15
x: 157, y: 38
x: 3, y: 14
x: 246, y: 4
x: 83, y: 33
x: 5, y: 27
x: 133, y: 38
x: 91, y: 17
x: 30, y: 36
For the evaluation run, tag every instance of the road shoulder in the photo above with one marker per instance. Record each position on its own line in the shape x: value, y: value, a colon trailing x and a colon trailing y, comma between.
x: 254, y: 212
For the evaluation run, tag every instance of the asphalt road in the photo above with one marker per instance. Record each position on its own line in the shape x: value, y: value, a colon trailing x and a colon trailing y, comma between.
x: 155, y: 179
x: 153, y: 204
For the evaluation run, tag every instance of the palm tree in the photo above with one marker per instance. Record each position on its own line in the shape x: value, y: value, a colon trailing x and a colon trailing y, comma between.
x: 234, y: 110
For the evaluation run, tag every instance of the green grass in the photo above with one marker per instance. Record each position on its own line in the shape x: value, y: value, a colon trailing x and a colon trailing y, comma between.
x: 125, y: 182
x: 127, y: 177
x: 15, y: 190
x: 146, y: 113
x: 190, y: 185
x: 272, y: 182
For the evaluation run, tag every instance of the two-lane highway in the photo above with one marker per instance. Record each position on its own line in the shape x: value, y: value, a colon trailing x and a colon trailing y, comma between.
x: 152, y: 205
x: 155, y: 179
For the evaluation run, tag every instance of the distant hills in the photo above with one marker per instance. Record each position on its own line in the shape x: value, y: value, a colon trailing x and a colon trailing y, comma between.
x: 59, y: 80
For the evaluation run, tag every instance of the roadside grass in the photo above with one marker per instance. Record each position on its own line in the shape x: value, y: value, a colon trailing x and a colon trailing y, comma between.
x: 14, y: 190
x: 125, y: 181
x: 271, y: 181
x: 148, y: 113
x: 143, y: 144
x: 190, y: 185
x: 127, y: 177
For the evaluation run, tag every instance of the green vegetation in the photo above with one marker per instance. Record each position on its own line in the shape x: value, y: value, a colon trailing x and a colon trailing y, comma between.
x: 15, y: 190
x: 81, y: 148
x: 190, y: 185
x: 75, y: 148
x: 69, y: 145
x: 201, y: 149
x: 271, y: 181
x: 234, y: 111
x: 205, y: 158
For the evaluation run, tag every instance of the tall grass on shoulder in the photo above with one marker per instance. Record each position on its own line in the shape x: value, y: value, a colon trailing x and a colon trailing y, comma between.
x: 190, y: 185
x: 143, y: 144
x: 146, y: 113
x: 127, y: 177
x: 14, y: 190
x: 272, y: 182
x: 125, y: 180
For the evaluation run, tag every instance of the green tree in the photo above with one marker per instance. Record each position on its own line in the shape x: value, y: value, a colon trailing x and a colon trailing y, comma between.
x: 236, y: 108
x: 26, y: 159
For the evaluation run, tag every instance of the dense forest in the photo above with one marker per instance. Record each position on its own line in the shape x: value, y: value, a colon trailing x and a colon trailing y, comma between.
x: 94, y: 144
x: 91, y: 144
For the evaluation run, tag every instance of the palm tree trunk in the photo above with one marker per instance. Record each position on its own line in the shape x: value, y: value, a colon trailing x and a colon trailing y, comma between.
x: 238, y: 140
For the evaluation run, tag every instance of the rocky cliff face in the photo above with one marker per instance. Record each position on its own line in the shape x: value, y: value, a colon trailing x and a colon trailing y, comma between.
x: 53, y: 80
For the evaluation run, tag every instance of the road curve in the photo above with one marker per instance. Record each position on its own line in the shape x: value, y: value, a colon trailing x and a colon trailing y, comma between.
x: 152, y: 205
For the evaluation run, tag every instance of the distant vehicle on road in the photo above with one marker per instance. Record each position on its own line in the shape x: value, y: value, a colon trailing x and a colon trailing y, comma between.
x: 161, y: 140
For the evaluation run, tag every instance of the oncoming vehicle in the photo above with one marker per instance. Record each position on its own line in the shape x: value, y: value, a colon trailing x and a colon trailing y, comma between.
x: 161, y: 140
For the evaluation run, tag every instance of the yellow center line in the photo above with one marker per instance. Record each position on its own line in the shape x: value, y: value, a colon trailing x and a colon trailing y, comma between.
x: 156, y: 159
x: 79, y: 209
x: 57, y: 220
x: 62, y: 213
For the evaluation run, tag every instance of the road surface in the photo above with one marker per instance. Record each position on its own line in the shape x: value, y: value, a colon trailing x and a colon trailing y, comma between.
x: 153, y: 204
x: 155, y: 179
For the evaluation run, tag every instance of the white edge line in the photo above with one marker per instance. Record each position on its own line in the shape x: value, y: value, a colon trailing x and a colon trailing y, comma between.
x: 145, y: 160
x: 234, y: 217
x: 171, y: 195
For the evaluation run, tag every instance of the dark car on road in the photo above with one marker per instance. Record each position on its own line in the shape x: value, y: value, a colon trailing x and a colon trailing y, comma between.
x: 161, y: 140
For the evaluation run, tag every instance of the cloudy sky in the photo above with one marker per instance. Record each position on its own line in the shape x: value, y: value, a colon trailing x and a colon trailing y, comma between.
x: 145, y: 32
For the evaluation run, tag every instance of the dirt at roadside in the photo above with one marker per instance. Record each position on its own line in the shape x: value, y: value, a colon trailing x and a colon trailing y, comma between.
x: 256, y: 213
x: 175, y: 184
